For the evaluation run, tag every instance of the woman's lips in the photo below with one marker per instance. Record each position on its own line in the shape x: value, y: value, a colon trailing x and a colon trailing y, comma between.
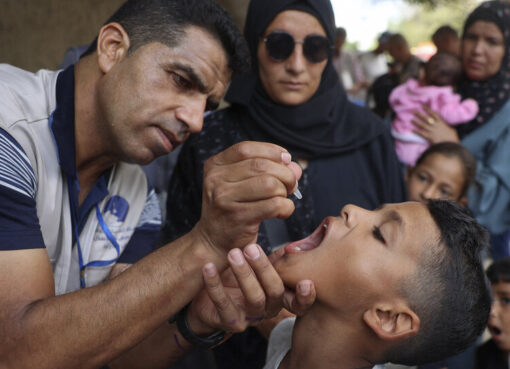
x: 292, y: 85
x: 309, y: 243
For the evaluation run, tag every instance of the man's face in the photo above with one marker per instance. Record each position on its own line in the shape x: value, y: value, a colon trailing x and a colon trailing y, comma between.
x: 499, y: 319
x: 362, y: 256
x: 155, y: 97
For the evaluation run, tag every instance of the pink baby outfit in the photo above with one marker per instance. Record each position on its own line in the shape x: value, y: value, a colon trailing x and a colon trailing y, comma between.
x: 410, y: 97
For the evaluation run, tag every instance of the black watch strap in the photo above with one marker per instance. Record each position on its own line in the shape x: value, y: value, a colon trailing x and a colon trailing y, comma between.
x: 203, y: 342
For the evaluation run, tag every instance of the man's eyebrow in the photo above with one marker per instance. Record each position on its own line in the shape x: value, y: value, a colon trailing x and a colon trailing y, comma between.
x: 190, y: 72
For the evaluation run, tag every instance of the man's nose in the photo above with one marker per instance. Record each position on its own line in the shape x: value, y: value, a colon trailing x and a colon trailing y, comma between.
x: 192, y: 114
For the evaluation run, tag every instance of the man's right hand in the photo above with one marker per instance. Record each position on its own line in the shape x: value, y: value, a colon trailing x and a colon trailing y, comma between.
x: 244, y: 185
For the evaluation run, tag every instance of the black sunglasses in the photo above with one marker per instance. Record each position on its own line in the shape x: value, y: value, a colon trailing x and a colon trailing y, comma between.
x: 280, y: 45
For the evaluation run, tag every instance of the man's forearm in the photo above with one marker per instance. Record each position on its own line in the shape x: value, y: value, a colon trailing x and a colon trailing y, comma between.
x: 93, y: 326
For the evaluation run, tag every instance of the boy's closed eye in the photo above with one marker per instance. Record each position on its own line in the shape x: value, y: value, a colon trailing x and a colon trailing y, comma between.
x: 376, y: 232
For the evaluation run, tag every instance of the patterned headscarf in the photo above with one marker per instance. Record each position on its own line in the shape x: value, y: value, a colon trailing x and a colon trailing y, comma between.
x: 494, y: 92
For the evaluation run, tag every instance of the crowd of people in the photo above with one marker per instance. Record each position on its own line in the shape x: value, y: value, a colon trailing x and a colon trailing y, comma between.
x: 287, y: 239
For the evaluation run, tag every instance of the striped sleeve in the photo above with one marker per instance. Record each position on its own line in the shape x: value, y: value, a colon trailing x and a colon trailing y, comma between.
x: 16, y: 173
x: 19, y: 223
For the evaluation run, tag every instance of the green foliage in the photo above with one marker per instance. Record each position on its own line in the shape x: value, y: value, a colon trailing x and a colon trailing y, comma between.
x: 430, y: 15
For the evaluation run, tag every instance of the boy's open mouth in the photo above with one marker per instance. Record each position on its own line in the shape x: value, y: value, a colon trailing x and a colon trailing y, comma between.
x: 311, y: 242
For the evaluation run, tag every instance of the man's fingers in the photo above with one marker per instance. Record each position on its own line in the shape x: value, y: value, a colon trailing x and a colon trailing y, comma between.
x: 268, y: 278
x: 229, y: 317
x: 255, y: 299
x: 251, y: 149
x: 302, y: 299
x: 249, y: 168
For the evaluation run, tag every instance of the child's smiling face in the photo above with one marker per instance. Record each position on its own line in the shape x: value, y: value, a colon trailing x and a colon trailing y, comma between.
x: 499, y: 319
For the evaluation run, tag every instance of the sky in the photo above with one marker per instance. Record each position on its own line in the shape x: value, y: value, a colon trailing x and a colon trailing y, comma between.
x: 364, y: 20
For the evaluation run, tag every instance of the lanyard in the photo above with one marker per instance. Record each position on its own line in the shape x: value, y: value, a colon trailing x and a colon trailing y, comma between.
x: 106, y: 230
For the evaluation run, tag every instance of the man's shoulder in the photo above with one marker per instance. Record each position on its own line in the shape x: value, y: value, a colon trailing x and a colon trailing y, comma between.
x: 25, y: 95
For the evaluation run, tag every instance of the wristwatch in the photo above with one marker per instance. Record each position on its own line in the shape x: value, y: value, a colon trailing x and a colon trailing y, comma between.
x: 204, y: 342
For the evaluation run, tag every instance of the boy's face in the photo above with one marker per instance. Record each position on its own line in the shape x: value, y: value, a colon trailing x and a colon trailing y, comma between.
x: 362, y: 256
x: 499, y: 319
x: 437, y: 177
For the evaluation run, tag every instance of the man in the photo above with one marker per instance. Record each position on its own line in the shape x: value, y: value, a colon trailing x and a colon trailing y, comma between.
x: 67, y: 139
x: 348, y: 67
x: 373, y: 62
x: 406, y: 64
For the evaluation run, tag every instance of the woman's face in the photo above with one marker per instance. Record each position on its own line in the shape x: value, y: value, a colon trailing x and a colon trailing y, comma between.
x: 294, y: 80
x: 483, y: 49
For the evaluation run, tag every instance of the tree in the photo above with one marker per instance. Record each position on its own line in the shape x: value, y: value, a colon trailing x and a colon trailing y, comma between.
x: 424, y: 20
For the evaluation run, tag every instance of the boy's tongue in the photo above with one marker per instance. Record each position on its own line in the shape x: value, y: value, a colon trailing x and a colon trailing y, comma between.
x: 309, y: 243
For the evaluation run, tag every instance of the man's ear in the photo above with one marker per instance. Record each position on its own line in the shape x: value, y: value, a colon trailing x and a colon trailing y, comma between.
x: 392, y: 321
x: 112, y: 45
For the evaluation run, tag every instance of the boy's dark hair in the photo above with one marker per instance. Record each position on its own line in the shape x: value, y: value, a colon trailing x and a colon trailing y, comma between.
x: 450, y: 292
x: 453, y: 149
x: 499, y: 271
x: 444, y: 32
x: 165, y: 21
x: 443, y: 69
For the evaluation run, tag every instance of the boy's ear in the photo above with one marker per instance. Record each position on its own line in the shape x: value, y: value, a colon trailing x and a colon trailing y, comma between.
x: 392, y: 321
x: 112, y: 45
x: 463, y: 201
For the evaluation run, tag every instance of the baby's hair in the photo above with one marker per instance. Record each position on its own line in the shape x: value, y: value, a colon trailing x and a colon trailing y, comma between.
x: 443, y: 69
x: 443, y: 32
x: 499, y: 271
x: 452, y: 149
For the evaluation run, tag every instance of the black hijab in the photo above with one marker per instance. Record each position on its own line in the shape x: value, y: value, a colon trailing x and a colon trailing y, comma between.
x: 326, y: 124
x: 494, y: 92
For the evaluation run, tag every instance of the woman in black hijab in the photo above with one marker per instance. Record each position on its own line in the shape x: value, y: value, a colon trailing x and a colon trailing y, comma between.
x: 486, y: 60
x: 291, y: 97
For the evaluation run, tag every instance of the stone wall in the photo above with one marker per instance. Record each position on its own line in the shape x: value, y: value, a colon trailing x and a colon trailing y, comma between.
x: 35, y: 34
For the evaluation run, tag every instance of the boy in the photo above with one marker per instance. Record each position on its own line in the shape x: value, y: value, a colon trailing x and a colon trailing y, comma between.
x: 402, y: 284
x: 494, y: 354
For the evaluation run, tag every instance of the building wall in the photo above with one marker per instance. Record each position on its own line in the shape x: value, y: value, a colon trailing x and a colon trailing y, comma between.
x: 35, y: 34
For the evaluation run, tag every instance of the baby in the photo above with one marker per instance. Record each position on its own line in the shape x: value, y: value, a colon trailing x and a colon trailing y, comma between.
x: 435, y: 89
x: 444, y: 171
x: 402, y: 284
x: 495, y: 353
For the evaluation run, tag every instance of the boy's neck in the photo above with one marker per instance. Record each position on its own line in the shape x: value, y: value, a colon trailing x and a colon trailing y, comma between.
x: 317, y: 342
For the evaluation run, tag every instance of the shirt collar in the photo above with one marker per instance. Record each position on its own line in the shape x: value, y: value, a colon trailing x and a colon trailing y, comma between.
x: 62, y: 122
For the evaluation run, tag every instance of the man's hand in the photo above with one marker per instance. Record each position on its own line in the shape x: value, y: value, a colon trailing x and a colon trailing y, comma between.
x: 244, y: 185
x: 248, y: 292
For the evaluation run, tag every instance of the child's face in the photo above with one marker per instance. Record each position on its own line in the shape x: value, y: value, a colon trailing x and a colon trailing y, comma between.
x: 437, y: 177
x: 361, y: 256
x: 499, y: 319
